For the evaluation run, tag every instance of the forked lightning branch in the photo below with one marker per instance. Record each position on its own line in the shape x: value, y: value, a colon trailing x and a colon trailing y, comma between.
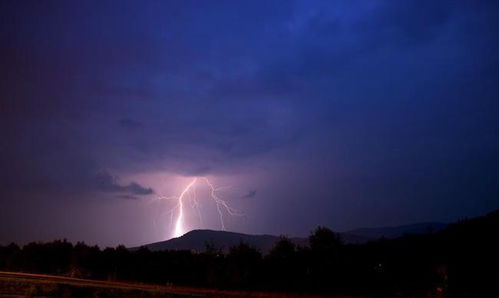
x: 188, y: 198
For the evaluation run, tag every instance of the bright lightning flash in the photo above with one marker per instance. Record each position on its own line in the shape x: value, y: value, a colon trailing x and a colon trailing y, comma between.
x: 190, y: 194
x: 180, y: 219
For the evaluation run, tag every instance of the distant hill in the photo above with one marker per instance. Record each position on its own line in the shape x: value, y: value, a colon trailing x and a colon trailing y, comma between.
x: 196, y: 240
x: 397, y: 231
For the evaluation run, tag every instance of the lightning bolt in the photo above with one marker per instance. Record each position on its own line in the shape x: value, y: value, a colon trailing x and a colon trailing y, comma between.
x: 189, y: 193
x: 179, y: 231
x: 220, y: 203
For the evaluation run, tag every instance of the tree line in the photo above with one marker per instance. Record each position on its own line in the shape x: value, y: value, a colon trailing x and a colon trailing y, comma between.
x: 460, y: 261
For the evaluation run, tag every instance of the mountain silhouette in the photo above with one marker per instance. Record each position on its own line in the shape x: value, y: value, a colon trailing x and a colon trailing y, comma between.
x: 197, y: 240
x: 397, y: 231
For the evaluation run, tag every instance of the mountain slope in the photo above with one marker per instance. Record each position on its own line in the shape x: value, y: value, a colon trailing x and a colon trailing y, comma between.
x: 198, y: 239
x: 397, y: 231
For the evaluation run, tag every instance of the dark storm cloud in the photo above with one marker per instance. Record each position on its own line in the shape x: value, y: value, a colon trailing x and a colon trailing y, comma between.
x: 108, y: 183
x: 129, y: 123
x: 199, y: 171
x: 250, y: 194
x: 368, y: 104
x: 409, y: 23
x: 126, y: 197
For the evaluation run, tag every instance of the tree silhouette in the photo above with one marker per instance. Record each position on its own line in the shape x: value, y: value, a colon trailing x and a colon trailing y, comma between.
x: 243, y: 264
x: 282, y: 267
x: 323, y: 240
x: 460, y: 261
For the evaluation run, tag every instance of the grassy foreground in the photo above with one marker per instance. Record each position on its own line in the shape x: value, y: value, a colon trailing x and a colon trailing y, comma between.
x: 15, y: 284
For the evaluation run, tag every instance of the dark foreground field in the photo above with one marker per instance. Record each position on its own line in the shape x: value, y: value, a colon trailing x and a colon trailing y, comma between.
x: 13, y: 284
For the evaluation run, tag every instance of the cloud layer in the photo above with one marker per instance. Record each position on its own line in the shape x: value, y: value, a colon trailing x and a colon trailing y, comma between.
x: 361, y: 112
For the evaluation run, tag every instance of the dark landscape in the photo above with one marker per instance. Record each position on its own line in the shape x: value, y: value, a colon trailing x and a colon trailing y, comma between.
x: 197, y: 240
x: 458, y: 261
x: 249, y: 148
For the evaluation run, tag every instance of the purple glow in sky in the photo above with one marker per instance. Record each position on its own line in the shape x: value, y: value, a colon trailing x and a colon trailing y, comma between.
x: 337, y: 113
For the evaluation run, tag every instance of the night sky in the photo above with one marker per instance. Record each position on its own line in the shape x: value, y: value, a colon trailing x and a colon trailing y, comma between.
x: 339, y: 113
